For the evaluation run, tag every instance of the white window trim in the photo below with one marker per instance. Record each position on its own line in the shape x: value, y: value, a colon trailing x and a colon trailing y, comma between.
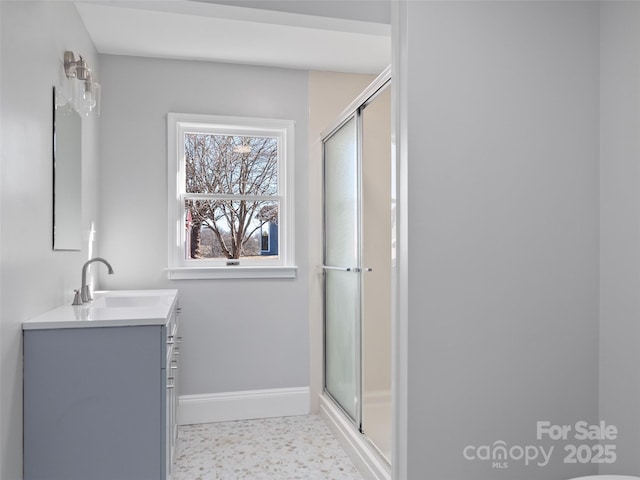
x: 179, y: 268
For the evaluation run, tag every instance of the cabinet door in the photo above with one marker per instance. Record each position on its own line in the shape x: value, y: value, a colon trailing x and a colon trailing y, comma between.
x: 93, y: 403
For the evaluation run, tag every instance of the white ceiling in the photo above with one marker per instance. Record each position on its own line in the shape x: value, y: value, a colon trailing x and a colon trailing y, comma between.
x: 184, y: 29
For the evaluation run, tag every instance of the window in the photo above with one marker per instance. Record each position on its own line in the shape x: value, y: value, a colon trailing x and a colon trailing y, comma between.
x: 230, y: 190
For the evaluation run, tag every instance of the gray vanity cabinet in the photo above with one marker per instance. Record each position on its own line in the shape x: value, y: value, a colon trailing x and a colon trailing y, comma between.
x: 99, y: 402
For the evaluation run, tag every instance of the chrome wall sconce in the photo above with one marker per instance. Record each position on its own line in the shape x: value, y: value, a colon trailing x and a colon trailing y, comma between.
x: 85, y: 91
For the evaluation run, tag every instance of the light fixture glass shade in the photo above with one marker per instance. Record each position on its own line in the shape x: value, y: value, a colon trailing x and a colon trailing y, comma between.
x: 87, y: 98
x: 96, y: 95
x: 84, y: 91
x: 77, y: 91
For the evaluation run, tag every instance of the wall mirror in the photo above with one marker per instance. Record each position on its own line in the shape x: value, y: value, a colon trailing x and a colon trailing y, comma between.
x: 67, y: 171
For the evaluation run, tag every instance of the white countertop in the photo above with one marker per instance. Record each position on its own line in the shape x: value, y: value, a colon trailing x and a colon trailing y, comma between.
x: 114, y: 308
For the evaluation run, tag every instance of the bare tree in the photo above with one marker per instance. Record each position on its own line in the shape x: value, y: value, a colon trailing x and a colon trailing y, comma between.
x: 228, y: 166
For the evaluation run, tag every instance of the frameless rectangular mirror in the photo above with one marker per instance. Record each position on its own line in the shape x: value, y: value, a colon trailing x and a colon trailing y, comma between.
x: 67, y: 170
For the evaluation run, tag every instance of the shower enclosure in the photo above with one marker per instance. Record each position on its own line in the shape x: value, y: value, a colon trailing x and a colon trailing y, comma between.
x: 358, y: 256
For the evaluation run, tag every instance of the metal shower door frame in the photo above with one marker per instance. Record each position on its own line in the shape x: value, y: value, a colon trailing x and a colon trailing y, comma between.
x: 353, y: 111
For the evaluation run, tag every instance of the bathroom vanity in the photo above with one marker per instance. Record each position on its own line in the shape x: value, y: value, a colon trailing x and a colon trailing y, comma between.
x: 100, y: 384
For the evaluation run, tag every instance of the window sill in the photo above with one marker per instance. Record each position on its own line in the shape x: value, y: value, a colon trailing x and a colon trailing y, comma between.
x: 205, y: 273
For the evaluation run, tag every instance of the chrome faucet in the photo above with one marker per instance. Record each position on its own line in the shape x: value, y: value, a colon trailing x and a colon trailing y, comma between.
x: 85, y: 293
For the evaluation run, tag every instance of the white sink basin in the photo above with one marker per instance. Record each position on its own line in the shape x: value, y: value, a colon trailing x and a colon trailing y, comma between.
x: 133, y: 301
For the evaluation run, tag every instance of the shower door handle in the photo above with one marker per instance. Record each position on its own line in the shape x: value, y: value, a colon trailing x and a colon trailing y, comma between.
x: 341, y: 269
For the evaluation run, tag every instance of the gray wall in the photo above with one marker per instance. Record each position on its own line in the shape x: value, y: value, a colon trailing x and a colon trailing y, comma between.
x: 238, y: 334
x: 503, y: 152
x: 34, y: 279
x: 620, y: 229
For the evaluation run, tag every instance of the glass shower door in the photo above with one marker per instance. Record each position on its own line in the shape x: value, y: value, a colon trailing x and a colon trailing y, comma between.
x: 341, y: 268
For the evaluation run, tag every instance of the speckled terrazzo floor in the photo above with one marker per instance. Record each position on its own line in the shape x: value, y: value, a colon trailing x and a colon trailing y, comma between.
x: 284, y: 448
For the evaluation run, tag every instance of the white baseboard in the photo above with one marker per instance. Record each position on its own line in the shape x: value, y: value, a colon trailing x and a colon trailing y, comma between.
x: 364, y: 456
x: 228, y: 406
